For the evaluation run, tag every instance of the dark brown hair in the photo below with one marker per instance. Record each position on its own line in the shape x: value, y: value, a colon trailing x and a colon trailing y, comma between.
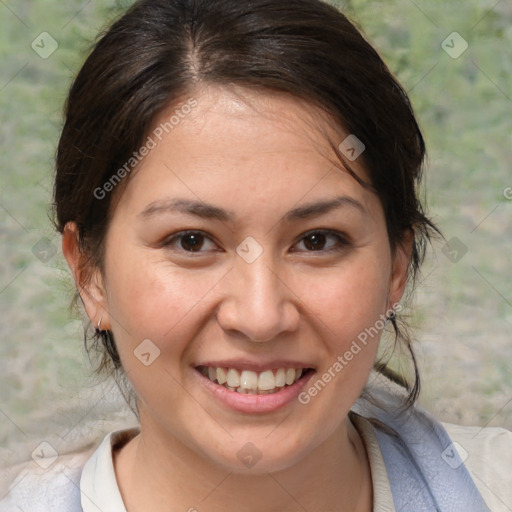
x: 161, y: 50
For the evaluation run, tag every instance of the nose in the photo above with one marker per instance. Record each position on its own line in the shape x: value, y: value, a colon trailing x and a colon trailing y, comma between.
x: 257, y: 303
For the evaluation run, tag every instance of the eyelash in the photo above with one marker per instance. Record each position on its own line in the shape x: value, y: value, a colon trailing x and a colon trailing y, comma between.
x: 342, y: 241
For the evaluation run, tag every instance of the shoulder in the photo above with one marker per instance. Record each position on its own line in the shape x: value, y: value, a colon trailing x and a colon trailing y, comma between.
x: 487, y: 454
x: 48, y: 484
x: 81, y: 481
x: 460, y: 464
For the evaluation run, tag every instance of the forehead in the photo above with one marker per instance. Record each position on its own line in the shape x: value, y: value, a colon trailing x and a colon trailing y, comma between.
x: 254, y: 118
x: 250, y: 144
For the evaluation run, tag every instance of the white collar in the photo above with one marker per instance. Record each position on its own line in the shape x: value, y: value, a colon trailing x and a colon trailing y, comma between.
x: 98, y: 485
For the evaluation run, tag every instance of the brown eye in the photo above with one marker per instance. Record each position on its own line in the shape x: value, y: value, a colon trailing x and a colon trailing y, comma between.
x: 315, y: 241
x: 318, y: 241
x: 191, y: 242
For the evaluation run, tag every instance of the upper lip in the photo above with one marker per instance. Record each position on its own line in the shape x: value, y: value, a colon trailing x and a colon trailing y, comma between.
x: 255, y: 366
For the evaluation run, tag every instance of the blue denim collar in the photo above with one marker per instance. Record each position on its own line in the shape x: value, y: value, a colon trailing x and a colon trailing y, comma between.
x: 425, y: 471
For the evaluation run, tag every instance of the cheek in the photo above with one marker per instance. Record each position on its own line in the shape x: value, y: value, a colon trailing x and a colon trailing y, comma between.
x: 351, y: 299
x: 349, y: 311
x: 168, y: 308
x: 156, y: 302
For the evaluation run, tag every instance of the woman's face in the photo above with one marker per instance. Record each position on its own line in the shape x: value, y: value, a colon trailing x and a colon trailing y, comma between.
x: 238, y: 249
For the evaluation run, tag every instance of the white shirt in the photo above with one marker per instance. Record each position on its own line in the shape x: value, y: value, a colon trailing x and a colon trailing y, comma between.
x: 91, y: 481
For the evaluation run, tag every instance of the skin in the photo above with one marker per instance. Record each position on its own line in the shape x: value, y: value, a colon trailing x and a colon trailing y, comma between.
x: 257, y: 155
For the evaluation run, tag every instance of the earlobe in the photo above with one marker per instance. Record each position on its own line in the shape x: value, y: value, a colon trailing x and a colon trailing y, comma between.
x: 89, y: 282
x: 400, y: 270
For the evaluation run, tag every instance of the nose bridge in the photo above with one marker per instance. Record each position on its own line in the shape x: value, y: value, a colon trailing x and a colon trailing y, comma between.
x: 258, y: 303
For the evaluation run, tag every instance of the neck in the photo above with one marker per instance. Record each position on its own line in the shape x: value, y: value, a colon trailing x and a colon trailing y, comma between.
x: 154, y: 470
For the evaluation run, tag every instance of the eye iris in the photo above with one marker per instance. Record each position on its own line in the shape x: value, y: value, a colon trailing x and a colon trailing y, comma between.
x: 192, y: 241
x: 315, y: 242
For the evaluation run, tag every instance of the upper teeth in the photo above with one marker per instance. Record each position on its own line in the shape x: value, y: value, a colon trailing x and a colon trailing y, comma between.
x: 247, y: 381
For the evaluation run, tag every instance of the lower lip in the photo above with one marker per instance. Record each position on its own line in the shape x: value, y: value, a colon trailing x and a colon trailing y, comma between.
x: 254, y: 403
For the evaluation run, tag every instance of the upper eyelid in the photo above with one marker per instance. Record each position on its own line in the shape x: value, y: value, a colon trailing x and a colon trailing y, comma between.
x: 323, y: 231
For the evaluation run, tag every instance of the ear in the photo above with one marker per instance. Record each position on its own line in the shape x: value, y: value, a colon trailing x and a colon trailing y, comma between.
x: 400, y: 267
x: 89, y: 282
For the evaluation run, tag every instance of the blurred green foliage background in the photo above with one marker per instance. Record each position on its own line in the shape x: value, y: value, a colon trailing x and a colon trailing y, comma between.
x: 463, y: 318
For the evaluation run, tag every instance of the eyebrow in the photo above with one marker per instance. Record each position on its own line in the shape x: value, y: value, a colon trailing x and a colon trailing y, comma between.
x: 209, y: 211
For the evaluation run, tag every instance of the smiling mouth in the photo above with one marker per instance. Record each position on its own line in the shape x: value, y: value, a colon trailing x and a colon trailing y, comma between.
x: 254, y: 383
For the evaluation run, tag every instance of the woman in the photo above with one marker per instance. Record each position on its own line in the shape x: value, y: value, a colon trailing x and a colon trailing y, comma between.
x: 236, y: 192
